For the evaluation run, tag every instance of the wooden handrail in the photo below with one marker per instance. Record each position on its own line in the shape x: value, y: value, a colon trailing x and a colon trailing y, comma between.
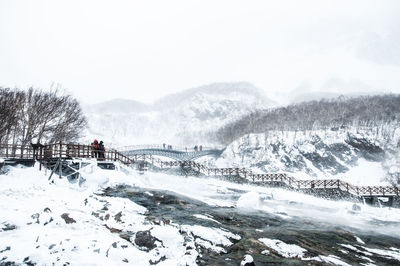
x: 64, y: 150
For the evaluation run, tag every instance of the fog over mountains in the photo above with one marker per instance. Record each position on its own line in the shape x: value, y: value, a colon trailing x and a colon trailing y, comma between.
x: 184, y: 118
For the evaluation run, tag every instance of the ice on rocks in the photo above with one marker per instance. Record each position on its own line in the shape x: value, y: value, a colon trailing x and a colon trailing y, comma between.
x: 214, y: 236
x: 283, y: 249
x: 331, y: 259
x: 392, y: 253
x: 359, y: 240
x: 204, y: 217
x: 265, y: 252
x: 248, y: 260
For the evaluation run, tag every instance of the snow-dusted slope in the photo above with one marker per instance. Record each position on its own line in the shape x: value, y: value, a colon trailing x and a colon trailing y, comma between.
x: 360, y: 156
x: 181, y: 118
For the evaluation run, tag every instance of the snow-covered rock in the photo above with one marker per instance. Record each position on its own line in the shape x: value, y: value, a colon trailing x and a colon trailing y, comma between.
x: 359, y: 156
x: 283, y: 249
x: 247, y: 261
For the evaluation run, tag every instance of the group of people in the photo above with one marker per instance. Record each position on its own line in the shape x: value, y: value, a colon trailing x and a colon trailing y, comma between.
x: 198, y: 148
x: 169, y: 147
x: 195, y: 148
x: 98, y: 149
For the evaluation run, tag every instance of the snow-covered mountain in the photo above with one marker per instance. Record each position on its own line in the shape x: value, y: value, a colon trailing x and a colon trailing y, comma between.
x: 362, y: 156
x: 181, y: 118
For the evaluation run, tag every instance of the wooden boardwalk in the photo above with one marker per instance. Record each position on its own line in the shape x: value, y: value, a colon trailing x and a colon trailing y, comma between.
x: 71, y: 151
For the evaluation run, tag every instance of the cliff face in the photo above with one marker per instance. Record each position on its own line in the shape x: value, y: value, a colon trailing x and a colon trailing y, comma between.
x: 363, y: 156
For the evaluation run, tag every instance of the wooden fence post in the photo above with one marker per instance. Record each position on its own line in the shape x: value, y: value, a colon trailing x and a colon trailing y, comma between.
x: 60, y: 169
x: 40, y: 160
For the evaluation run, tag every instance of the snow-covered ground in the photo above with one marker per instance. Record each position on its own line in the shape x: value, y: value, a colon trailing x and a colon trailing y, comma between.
x: 35, y: 208
x: 44, y: 221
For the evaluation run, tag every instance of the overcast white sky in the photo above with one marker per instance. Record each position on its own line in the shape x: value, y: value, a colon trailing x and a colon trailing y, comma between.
x: 142, y: 50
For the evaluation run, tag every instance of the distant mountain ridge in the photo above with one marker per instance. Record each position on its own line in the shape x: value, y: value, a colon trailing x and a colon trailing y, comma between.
x: 181, y: 118
x: 229, y: 91
x: 313, y: 115
x: 221, y: 89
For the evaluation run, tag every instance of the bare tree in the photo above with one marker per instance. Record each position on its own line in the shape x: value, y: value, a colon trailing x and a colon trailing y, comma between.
x: 10, y: 106
x: 40, y: 116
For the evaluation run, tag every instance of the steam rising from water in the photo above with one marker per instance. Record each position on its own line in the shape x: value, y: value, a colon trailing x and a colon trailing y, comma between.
x: 282, y: 203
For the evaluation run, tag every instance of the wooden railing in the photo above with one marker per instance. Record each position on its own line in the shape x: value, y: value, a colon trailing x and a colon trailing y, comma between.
x: 61, y: 150
x: 276, y: 177
x: 65, y: 151
x: 168, y: 147
x: 16, y: 151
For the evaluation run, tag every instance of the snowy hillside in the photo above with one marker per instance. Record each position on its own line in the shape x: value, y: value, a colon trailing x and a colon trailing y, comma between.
x: 181, y: 118
x: 359, y: 156
x: 362, y: 111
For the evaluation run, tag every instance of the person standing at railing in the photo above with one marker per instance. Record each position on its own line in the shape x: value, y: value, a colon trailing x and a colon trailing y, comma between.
x: 95, y: 149
x: 102, y: 149
x: 37, y: 148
